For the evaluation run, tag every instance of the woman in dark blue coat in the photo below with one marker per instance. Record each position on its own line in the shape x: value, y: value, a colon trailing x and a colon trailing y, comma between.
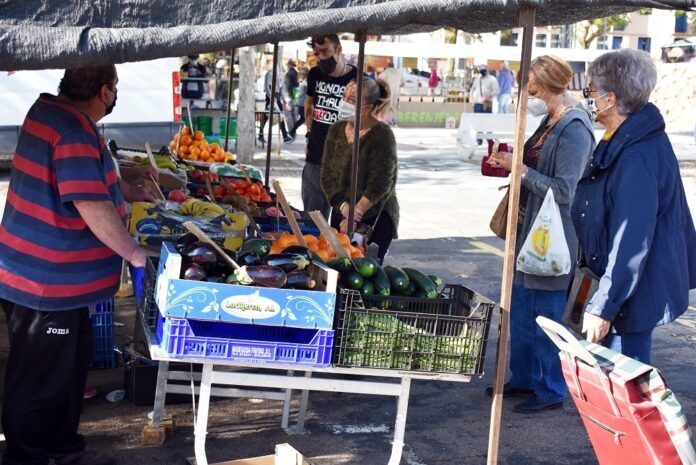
x: 630, y: 211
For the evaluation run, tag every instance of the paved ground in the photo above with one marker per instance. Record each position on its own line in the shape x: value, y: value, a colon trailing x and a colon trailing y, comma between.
x: 446, y: 206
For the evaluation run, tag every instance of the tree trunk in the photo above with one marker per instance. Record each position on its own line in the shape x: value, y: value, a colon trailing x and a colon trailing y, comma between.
x: 246, y: 116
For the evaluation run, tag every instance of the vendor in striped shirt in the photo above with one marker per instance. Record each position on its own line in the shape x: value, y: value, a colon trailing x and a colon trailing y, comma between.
x: 62, y: 242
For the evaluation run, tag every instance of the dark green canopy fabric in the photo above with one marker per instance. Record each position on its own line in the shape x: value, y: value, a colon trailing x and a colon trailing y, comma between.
x: 39, y: 34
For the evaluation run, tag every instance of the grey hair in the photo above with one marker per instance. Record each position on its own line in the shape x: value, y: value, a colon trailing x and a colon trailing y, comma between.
x: 377, y: 93
x: 629, y: 74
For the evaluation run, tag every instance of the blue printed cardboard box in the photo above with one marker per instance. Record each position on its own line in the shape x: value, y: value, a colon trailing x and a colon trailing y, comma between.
x: 200, y: 300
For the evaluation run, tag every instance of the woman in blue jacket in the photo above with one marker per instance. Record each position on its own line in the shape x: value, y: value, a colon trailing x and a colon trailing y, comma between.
x: 630, y: 211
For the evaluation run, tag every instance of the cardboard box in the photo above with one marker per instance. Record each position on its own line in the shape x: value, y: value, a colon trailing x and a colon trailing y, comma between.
x: 285, y: 454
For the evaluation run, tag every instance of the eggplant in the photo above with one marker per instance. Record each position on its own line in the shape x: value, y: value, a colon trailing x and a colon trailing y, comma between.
x: 299, y: 250
x: 301, y: 280
x: 194, y: 272
x: 263, y: 275
x: 248, y: 258
x: 200, y: 253
x: 184, y: 241
x: 287, y: 261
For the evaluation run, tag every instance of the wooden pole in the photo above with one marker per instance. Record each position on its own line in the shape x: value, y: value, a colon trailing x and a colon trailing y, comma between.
x: 229, y: 101
x: 525, y: 20
x: 361, y: 36
x: 270, y: 114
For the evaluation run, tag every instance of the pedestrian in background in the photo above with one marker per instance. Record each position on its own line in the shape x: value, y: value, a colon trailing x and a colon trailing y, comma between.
x: 300, y: 97
x: 554, y: 158
x: 273, y: 100
x: 395, y: 79
x: 630, y: 212
x: 290, y: 86
x: 506, y: 80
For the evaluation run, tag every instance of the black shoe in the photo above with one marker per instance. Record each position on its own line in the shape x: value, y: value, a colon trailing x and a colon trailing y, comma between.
x: 86, y: 457
x: 287, y: 139
x: 536, y: 405
x: 510, y: 391
x: 261, y: 139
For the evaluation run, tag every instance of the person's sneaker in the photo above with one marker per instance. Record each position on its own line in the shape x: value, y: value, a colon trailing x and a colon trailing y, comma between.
x: 536, y: 405
x: 287, y: 139
x: 90, y: 392
x: 86, y: 457
x: 261, y: 139
x: 510, y: 391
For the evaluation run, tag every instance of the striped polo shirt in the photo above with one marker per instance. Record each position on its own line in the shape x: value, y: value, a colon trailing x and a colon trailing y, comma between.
x: 49, y: 259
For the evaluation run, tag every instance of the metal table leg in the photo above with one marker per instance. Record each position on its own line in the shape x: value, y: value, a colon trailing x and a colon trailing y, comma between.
x: 201, y: 429
x: 400, y: 426
x: 304, y: 400
x: 286, y: 405
x: 160, y: 393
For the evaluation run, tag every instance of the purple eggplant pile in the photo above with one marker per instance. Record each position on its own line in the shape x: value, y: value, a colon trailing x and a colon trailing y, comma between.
x: 288, y: 269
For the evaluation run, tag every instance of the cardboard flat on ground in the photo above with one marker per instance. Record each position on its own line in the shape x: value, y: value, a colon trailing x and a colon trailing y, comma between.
x: 285, y: 455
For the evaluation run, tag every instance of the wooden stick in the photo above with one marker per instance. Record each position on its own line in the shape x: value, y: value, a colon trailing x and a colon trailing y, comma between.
x: 211, y: 192
x: 244, y: 173
x: 192, y: 228
x: 188, y: 110
x: 151, y: 157
x: 288, y: 214
x: 526, y: 21
x: 329, y: 235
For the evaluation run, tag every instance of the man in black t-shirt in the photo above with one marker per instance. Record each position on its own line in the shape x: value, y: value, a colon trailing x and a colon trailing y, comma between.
x: 325, y: 85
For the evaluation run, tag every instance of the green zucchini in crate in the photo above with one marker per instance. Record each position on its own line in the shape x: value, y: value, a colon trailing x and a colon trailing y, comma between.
x: 422, y: 283
x: 447, y: 335
x: 399, y: 279
x: 381, y: 281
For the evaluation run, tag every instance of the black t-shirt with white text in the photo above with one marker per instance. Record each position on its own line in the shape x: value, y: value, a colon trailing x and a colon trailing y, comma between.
x: 326, y: 92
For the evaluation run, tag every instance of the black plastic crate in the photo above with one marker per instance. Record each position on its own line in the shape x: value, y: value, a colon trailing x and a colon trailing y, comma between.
x: 446, y: 335
x: 144, y: 284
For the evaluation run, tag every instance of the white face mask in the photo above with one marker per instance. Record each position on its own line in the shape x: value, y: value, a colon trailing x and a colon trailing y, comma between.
x: 592, y: 107
x: 537, y: 107
x: 346, y: 111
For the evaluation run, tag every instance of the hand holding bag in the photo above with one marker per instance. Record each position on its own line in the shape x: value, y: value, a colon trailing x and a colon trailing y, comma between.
x: 545, y: 251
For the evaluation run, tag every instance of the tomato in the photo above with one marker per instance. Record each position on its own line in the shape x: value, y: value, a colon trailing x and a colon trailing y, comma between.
x: 214, y: 177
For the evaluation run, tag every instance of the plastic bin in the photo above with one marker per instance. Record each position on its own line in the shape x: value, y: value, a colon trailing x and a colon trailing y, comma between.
x: 233, y: 127
x: 182, y: 337
x: 205, y: 124
x: 445, y: 335
x: 144, y: 283
x: 102, y: 316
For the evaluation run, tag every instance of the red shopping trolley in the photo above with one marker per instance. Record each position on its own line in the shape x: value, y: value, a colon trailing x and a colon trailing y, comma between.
x: 631, y: 416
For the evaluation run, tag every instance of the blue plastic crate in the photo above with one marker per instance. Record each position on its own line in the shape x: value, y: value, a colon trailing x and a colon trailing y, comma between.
x: 102, y: 316
x: 181, y: 337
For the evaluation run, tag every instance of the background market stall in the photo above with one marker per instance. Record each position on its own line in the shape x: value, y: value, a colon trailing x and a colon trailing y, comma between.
x: 39, y: 35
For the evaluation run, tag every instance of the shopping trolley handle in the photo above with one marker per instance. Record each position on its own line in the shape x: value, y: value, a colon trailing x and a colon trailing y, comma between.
x: 565, y: 340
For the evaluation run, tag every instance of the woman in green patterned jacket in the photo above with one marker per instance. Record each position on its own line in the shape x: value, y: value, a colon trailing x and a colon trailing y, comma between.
x: 377, y: 164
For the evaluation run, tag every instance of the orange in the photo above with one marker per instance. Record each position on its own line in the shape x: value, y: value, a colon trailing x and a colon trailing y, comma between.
x: 229, y: 157
x: 186, y: 140
x: 204, y: 154
x: 275, y: 249
x: 214, y: 147
x: 192, y: 157
x: 183, y: 151
x: 357, y: 254
x: 195, y: 151
x: 218, y: 157
x: 285, y: 240
x: 199, y: 135
x: 309, y: 239
x: 343, y: 239
x: 186, y: 131
x: 323, y: 254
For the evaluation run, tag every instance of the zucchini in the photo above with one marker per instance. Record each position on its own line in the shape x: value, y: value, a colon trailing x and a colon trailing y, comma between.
x: 419, y: 294
x: 367, y: 288
x: 422, y: 282
x: 366, y: 266
x: 342, y: 265
x: 381, y: 281
x: 353, y: 280
x: 262, y: 247
x: 399, y: 279
x: 410, y: 289
x: 435, y: 279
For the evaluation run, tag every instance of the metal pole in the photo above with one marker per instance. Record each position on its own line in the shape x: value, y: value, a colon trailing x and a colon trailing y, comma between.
x: 360, y: 36
x: 526, y: 17
x: 229, y: 101
x: 270, y: 113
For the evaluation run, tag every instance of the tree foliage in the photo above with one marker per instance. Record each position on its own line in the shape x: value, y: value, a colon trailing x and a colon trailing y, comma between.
x: 594, y: 28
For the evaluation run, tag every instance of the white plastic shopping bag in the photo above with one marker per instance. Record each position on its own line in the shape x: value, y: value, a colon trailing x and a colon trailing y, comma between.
x: 545, y: 251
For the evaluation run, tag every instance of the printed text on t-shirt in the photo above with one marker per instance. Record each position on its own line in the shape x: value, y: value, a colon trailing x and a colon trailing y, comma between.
x: 327, y: 96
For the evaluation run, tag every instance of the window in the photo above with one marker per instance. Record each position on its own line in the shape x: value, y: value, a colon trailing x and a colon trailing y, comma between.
x: 616, y: 42
x: 644, y: 43
x: 602, y: 43
x: 555, y: 40
x: 508, y: 38
x: 541, y: 40
x: 681, y: 23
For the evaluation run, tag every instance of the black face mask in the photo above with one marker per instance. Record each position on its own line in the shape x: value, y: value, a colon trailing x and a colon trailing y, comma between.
x: 483, y: 72
x: 110, y: 108
x: 328, y: 65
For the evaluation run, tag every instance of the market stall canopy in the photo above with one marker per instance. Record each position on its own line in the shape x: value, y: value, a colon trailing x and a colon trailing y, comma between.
x: 39, y: 34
